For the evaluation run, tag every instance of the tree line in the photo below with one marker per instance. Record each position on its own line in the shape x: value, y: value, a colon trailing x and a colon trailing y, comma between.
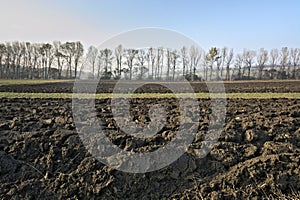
x: 25, y: 60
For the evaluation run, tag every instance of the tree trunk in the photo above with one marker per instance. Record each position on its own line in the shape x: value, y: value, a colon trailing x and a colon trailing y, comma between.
x: 1, y: 69
x: 76, y: 65
x: 249, y: 70
x: 210, y: 75
x: 227, y: 72
x: 130, y: 72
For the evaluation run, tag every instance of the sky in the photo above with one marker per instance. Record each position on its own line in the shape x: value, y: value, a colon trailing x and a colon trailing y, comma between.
x: 237, y: 24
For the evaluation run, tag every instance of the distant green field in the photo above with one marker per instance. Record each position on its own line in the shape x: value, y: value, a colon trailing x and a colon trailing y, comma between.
x: 16, y: 82
x: 151, y: 95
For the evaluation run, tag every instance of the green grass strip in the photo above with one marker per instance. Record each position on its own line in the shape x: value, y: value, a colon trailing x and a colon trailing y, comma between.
x: 151, y: 95
x: 26, y: 82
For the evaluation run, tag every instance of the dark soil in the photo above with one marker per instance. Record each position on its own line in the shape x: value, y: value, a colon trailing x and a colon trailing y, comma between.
x: 257, y: 155
x: 108, y: 86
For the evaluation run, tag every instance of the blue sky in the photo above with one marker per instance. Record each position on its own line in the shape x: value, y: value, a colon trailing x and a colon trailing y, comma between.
x: 232, y: 23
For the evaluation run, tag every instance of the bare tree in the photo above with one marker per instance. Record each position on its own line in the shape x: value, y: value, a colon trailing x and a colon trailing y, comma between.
x: 249, y: 56
x: 47, y: 56
x: 119, y: 56
x: 2, y: 54
x: 262, y: 58
x: 219, y: 61
x: 35, y: 56
x: 175, y: 56
x: 99, y: 65
x: 239, y: 61
x: 284, y: 59
x: 212, y: 57
x: 130, y: 56
x: 9, y: 60
x: 91, y: 58
x: 273, y: 61
x: 27, y: 60
x: 51, y: 56
x: 227, y: 60
x: 169, y: 60
x: 141, y: 57
x: 59, y: 57
x: 17, y: 58
x: 159, y: 61
x: 223, y: 52
x: 195, y: 56
x: 68, y: 49
x: 78, y: 53
x: 205, y: 64
x: 184, y: 58
x: 106, y: 56
x: 295, y: 58
x: 151, y: 57
x: 23, y: 60
x: 43, y: 61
